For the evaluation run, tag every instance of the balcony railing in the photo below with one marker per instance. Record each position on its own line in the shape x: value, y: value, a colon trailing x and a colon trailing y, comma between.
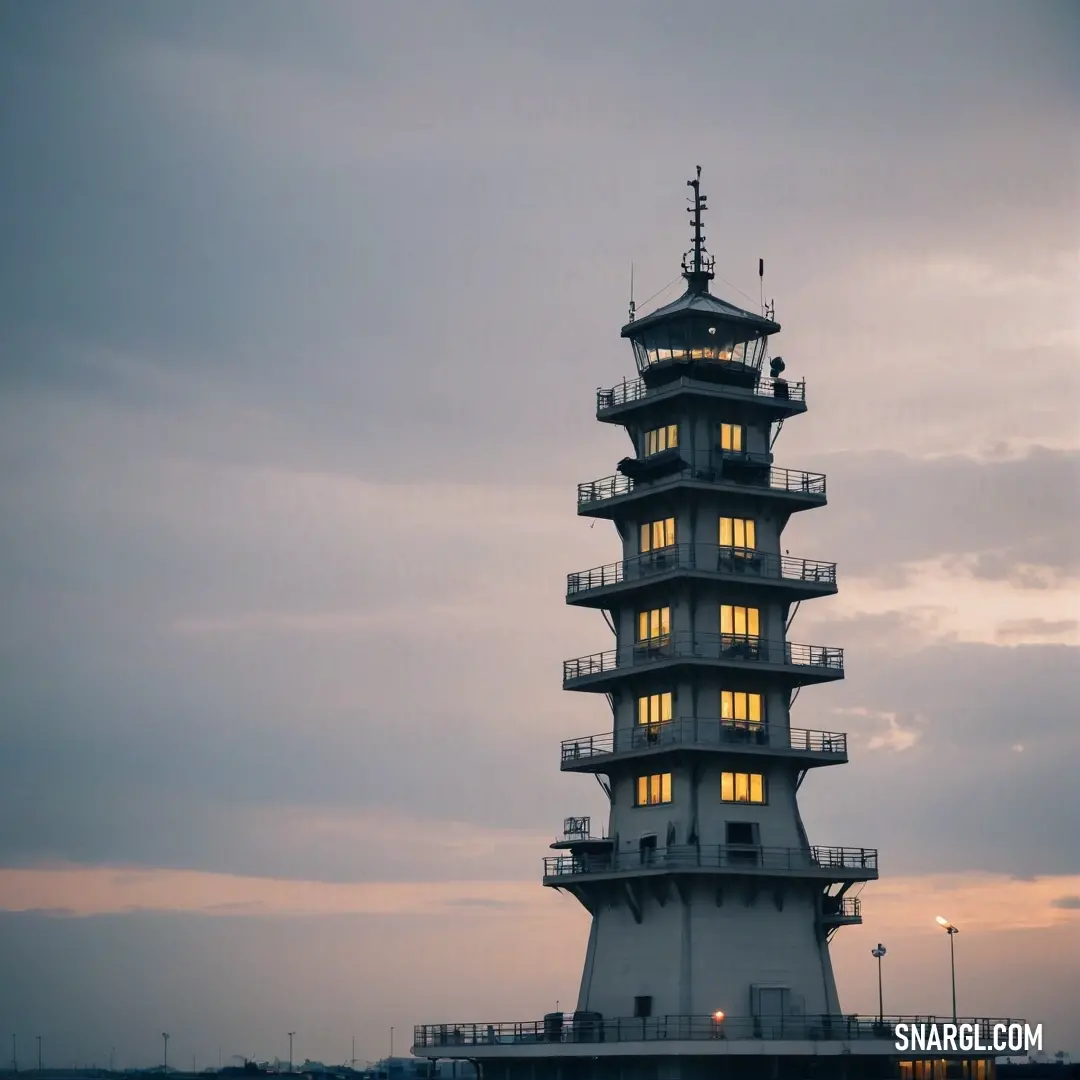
x: 687, y: 645
x: 842, y: 907
x: 791, y: 480
x: 591, y: 1027
x: 695, y: 731
x: 738, y: 562
x: 726, y: 856
x: 628, y: 392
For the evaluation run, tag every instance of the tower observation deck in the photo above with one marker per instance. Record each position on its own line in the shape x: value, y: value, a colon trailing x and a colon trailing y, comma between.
x: 711, y: 908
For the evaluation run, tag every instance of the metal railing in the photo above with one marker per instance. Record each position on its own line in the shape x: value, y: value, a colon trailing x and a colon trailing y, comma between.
x: 685, y: 644
x: 635, y: 390
x: 842, y: 907
x: 713, y: 857
x: 591, y: 1028
x: 733, y: 561
x: 696, y: 731
x: 770, y: 477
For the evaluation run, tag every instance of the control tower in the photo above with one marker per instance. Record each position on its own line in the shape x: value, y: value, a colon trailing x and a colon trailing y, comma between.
x: 712, y: 910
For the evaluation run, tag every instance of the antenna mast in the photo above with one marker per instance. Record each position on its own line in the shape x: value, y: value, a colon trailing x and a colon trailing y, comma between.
x: 697, y: 263
x: 632, y: 308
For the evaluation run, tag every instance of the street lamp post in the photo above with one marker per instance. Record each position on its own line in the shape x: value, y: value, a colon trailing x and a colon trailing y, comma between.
x: 879, y: 952
x: 165, y: 1059
x: 291, y: 1034
x: 14, y: 1054
x: 952, y: 931
x: 39, y: 1053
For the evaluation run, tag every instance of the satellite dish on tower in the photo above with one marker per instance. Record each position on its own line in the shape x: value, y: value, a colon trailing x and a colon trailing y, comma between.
x: 776, y: 365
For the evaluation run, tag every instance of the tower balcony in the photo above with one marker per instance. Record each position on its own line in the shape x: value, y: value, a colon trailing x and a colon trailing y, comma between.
x: 597, y: 753
x: 798, y: 664
x: 778, y: 396
x: 825, y: 863
x: 745, y: 475
x: 787, y: 578
x: 837, y: 911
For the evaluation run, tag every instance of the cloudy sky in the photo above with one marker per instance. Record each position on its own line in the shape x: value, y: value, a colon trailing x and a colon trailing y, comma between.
x: 302, y: 311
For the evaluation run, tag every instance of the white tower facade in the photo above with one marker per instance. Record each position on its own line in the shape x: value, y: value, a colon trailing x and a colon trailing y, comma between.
x: 711, y: 909
x: 706, y: 894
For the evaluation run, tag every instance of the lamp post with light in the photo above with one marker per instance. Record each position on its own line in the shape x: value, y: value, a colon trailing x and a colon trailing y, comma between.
x: 165, y: 1059
x: 952, y: 931
x: 879, y: 952
x: 718, y: 1024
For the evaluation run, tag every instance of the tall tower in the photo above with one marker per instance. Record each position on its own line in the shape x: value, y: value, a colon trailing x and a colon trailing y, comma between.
x: 706, y: 894
x: 711, y: 910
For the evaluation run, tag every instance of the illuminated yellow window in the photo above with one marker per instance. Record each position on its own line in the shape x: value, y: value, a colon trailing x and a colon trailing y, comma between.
x: 737, y: 532
x: 742, y: 787
x: 731, y: 437
x: 657, y: 534
x: 653, y: 790
x: 738, y: 705
x: 653, y: 625
x: 739, y: 621
x: 662, y: 438
x: 654, y: 708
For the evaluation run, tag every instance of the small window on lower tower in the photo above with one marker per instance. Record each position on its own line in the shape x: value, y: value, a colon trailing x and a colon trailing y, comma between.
x: 643, y: 1006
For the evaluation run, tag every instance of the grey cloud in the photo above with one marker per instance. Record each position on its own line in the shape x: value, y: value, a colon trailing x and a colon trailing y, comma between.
x: 963, y: 796
x: 1026, y: 629
x: 1000, y: 520
x: 1069, y: 903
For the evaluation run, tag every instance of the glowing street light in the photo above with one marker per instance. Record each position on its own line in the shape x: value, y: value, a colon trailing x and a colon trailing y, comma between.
x: 952, y: 931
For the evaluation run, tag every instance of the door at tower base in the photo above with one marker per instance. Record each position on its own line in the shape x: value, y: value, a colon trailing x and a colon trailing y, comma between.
x: 740, y: 948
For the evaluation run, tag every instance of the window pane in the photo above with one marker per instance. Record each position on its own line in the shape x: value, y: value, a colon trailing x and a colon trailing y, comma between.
x: 740, y: 621
x: 750, y: 540
x: 752, y: 627
x: 727, y: 707
x: 658, y: 534
x: 643, y: 626
x: 644, y: 538
x: 665, y: 707
x: 665, y: 787
x: 727, y: 619
x: 742, y: 787
x: 740, y: 706
x: 665, y: 621
x: 654, y: 788
x: 673, y: 435
x: 642, y: 710
x: 754, y: 714
x: 757, y: 788
x: 669, y: 532
x: 642, y: 790
x: 726, y: 536
x: 727, y: 787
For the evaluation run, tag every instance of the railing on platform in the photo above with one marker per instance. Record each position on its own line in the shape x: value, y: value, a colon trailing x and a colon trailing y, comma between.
x: 634, y: 390
x: 685, y: 644
x: 700, y: 731
x: 560, y: 1028
x: 713, y: 857
x: 733, y: 561
x: 791, y: 480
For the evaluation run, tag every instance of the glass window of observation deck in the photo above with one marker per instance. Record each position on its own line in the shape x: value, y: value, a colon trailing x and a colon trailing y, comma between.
x: 657, y: 534
x: 695, y: 343
x: 741, y: 706
x: 742, y: 787
x: 654, y: 708
x: 737, y: 532
x: 654, y: 625
x: 660, y: 439
x: 739, y: 621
